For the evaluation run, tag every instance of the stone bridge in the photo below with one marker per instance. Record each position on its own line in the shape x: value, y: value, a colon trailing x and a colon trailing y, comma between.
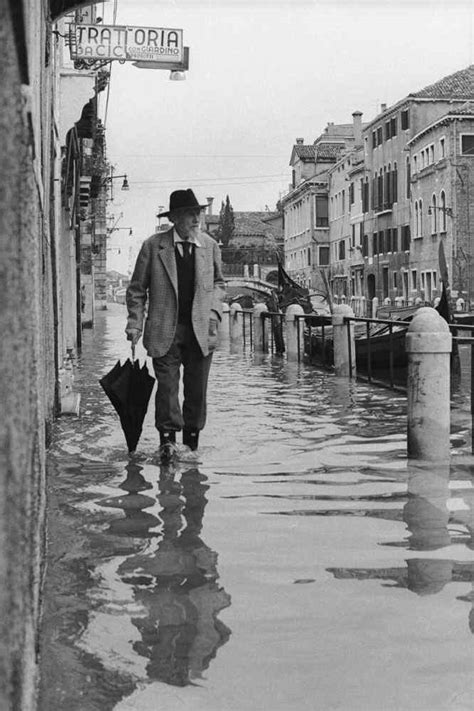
x: 252, y: 283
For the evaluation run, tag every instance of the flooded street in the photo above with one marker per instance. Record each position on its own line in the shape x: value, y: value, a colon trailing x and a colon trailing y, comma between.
x: 302, y: 566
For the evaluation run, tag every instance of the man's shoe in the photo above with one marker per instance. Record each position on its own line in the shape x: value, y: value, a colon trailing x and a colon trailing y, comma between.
x: 167, y: 452
x: 191, y: 438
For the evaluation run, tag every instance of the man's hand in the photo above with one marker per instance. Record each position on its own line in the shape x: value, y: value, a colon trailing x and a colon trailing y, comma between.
x: 212, y: 341
x: 133, y: 335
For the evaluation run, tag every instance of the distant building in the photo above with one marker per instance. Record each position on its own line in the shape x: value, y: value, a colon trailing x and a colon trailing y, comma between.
x: 442, y: 186
x: 305, y: 207
x: 394, y: 189
x: 256, y: 244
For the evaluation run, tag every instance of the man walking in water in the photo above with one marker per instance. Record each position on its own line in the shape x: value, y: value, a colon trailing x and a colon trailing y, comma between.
x: 178, y: 274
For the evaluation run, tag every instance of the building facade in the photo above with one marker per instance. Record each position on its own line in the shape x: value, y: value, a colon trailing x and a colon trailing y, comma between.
x: 306, y: 205
x: 38, y: 318
x: 392, y: 191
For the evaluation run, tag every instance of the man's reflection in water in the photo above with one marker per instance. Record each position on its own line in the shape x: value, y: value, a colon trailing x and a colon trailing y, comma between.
x: 137, y: 523
x: 180, y: 631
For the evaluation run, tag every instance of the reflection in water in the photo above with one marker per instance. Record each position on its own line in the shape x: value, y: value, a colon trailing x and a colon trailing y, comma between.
x: 137, y: 522
x: 427, y: 517
x: 177, y: 586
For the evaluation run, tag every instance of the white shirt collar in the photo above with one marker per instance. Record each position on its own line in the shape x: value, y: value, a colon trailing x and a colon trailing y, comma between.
x: 177, y: 239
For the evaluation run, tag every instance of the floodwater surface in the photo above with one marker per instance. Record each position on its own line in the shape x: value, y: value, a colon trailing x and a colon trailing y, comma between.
x: 304, y: 565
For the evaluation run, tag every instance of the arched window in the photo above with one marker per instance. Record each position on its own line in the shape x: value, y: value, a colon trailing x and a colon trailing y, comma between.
x: 420, y: 215
x: 442, y: 200
x: 434, y: 215
x: 417, y: 223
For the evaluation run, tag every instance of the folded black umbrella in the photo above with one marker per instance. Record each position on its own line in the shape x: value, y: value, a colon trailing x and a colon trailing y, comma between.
x: 129, y: 389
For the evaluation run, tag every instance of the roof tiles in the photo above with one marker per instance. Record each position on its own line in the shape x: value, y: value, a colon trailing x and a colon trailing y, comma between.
x: 459, y: 85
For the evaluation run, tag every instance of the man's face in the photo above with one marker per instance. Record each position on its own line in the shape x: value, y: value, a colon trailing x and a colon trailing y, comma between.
x: 186, y: 222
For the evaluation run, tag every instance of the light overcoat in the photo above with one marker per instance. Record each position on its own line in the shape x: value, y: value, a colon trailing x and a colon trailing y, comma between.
x: 154, y: 284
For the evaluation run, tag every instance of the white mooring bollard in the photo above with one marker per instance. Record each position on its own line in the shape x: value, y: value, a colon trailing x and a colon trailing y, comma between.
x: 224, y: 329
x: 294, y: 332
x: 236, y: 326
x: 375, y: 307
x: 344, y: 344
x: 428, y: 345
x: 260, y: 329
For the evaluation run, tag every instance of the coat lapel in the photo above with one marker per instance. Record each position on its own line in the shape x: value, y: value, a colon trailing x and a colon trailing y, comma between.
x: 199, y: 263
x: 167, y: 256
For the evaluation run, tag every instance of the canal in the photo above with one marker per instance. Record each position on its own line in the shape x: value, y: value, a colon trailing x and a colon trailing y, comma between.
x: 303, y: 565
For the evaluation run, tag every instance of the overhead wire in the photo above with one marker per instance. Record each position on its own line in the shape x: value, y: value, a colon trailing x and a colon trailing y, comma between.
x: 212, y: 180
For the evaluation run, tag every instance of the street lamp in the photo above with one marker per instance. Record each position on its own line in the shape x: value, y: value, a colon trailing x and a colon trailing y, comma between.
x: 109, y: 178
x: 115, y: 229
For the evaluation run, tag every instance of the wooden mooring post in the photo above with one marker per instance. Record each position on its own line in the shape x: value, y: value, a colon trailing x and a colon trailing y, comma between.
x: 260, y: 333
x: 428, y: 345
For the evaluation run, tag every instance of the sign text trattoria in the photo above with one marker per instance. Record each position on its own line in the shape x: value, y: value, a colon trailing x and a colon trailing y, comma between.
x: 126, y: 43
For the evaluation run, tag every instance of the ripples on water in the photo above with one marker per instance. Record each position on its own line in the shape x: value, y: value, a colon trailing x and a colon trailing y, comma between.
x: 291, y: 454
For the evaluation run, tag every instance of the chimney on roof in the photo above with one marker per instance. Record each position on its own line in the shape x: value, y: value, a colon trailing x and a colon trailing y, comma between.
x: 299, y: 141
x: 383, y: 107
x: 357, y: 123
x: 210, y: 200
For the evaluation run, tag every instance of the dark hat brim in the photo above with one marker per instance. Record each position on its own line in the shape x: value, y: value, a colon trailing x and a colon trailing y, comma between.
x: 181, y: 209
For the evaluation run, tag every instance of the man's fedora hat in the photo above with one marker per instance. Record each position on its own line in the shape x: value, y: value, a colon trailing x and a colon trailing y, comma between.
x: 182, y: 200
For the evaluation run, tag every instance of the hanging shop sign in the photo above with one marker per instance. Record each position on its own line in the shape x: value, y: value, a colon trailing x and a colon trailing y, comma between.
x: 125, y: 43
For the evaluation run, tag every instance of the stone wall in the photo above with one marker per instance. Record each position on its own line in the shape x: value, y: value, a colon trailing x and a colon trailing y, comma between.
x: 26, y: 358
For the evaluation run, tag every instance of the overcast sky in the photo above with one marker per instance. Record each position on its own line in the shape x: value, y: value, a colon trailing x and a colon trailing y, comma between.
x: 261, y: 74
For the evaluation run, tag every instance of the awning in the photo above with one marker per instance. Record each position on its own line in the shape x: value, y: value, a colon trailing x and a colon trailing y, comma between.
x: 61, y: 7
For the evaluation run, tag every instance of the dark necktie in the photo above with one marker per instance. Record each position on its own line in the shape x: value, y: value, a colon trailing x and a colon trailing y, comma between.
x: 186, y: 250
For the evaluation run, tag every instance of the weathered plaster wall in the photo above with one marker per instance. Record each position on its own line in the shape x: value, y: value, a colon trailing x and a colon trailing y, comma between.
x: 26, y: 363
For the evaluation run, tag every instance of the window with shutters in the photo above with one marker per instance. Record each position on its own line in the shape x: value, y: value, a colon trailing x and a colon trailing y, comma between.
x: 405, y: 246
x: 394, y: 239
x: 322, y: 217
x: 434, y: 215
x: 381, y: 245
x: 365, y: 245
x: 323, y: 256
x: 405, y: 120
x: 408, y: 176
x: 393, y: 126
x: 379, y: 136
x: 365, y: 196
x: 388, y: 187
x: 442, y: 200
x: 342, y: 249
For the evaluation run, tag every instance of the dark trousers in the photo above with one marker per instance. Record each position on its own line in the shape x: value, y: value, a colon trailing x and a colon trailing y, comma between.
x: 184, y: 351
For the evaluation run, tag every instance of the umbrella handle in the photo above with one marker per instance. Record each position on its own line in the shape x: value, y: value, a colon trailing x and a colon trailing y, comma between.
x: 133, y: 351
